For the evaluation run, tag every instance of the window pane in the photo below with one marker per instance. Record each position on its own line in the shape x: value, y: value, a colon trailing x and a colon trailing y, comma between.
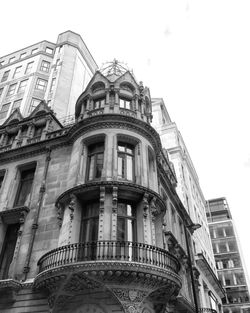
x: 129, y: 167
x: 91, y: 166
x: 121, y: 229
x: 24, y: 187
x: 99, y: 165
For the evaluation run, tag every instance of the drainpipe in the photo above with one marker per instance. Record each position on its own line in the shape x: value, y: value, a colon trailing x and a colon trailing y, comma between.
x: 191, y: 268
x: 37, y: 214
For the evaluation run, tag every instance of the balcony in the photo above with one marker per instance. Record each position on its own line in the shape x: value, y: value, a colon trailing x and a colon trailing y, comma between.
x: 109, y: 251
x: 68, y: 270
x: 207, y: 310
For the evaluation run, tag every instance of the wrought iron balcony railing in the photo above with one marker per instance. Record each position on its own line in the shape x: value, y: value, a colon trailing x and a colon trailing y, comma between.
x: 207, y: 310
x: 109, y: 251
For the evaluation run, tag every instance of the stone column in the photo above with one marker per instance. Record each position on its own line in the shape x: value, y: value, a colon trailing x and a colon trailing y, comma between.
x: 17, y: 138
x: 114, y: 213
x: 46, y: 128
x: 2, y: 136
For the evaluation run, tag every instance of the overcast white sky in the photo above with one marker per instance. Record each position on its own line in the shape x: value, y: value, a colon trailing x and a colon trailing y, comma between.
x: 195, y: 54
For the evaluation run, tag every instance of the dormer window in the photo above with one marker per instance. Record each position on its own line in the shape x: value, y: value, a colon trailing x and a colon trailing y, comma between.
x: 99, y: 103
x: 125, y: 104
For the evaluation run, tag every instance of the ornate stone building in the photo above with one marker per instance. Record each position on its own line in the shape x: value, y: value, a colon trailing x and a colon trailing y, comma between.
x: 90, y: 217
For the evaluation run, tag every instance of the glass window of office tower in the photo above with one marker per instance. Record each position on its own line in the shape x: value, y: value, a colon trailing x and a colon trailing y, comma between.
x: 4, y: 110
x: 45, y: 65
x: 49, y: 50
x: 41, y: 84
x: 1, y: 92
x: 34, y: 103
x: 22, y: 86
x: 16, y: 105
x: 23, y: 55
x: 33, y: 51
x: 17, y: 71
x: 11, y: 90
x: 29, y: 67
x: 5, y: 76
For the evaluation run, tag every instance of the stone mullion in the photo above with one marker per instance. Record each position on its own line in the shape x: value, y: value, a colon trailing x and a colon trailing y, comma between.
x: 146, y: 222
x: 139, y: 164
x: 71, y: 207
x: 115, y: 158
x: 17, y: 138
x: 2, y: 138
x: 101, y: 214
x: 108, y: 165
x: 45, y: 130
x: 114, y: 213
x: 82, y: 165
x: 153, y: 212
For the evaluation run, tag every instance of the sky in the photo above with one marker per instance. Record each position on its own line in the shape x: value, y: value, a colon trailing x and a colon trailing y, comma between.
x: 195, y: 54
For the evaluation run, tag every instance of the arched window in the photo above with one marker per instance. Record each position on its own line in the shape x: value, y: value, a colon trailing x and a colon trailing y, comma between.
x: 125, y: 161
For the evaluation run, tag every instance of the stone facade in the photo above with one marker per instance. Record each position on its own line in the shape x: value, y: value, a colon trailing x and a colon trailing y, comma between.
x: 90, y: 217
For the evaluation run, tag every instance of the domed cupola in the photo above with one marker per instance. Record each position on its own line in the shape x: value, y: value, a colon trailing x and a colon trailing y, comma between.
x: 114, y: 90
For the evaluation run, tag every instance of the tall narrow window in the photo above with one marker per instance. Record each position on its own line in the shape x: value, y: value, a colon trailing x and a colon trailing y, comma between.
x: 8, y: 250
x: 11, y: 90
x: 25, y: 184
x: 1, y: 92
x: 95, y: 160
x: 90, y: 221
x: 126, y: 222
x: 17, y: 71
x: 125, y: 161
x: 4, y: 110
x: 5, y: 76
x: 29, y: 68
x: 2, y: 173
x: 52, y: 86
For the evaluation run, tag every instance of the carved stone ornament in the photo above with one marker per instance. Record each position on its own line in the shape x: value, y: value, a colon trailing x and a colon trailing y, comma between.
x: 153, y: 208
x: 72, y: 205
x: 114, y: 199
x: 145, y: 204
x: 59, y: 214
x: 102, y: 199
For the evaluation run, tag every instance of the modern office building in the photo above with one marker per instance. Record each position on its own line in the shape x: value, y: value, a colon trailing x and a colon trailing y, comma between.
x: 228, y: 257
x: 55, y: 72
x: 90, y: 217
x: 209, y: 289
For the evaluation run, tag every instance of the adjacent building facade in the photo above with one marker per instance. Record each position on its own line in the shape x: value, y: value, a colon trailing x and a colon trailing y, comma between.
x: 208, y: 288
x: 228, y: 257
x: 55, y: 72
